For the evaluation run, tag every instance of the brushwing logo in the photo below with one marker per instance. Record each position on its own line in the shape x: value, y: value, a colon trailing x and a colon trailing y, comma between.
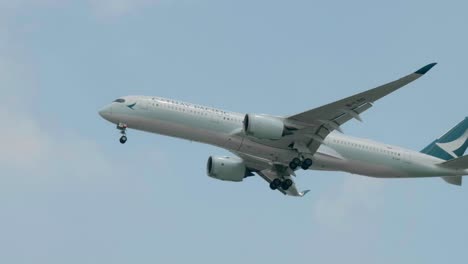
x: 452, y: 147
x: 131, y: 106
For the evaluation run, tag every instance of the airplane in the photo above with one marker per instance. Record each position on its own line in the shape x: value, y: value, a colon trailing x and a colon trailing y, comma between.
x: 275, y: 147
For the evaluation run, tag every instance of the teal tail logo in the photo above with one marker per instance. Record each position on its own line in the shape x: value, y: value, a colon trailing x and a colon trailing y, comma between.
x: 452, y: 144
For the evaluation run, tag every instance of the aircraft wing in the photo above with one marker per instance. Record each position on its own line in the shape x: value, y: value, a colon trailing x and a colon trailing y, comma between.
x: 310, y: 128
x: 317, y: 123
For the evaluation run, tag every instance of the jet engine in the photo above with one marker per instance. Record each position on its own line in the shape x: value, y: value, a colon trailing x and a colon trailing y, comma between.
x: 264, y: 127
x: 226, y: 168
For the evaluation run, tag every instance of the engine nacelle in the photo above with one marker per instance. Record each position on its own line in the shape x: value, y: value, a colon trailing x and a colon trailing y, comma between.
x: 226, y: 168
x: 264, y: 127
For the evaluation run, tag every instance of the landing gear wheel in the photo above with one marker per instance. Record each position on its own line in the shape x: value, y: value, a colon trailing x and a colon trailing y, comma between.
x: 306, y: 164
x: 275, y: 184
x: 123, y: 128
x: 286, y: 184
x: 292, y: 165
x: 297, y: 161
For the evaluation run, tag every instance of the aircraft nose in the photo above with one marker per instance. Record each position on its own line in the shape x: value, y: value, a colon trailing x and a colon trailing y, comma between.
x: 106, y: 112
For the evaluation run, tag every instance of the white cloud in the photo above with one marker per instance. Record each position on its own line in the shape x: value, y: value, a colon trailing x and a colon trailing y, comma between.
x: 117, y: 8
x: 27, y: 146
x: 101, y: 8
x: 20, y: 137
x: 32, y: 151
x: 342, y: 206
x: 7, y: 6
x: 23, y: 143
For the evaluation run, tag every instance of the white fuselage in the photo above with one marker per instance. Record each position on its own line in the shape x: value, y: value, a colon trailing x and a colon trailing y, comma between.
x: 208, y: 125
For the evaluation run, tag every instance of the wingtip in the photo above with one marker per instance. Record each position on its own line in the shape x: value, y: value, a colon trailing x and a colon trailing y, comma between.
x: 304, y: 192
x: 426, y: 68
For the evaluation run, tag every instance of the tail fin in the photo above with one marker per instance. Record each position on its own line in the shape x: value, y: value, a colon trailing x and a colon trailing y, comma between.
x: 451, y: 147
x: 452, y: 144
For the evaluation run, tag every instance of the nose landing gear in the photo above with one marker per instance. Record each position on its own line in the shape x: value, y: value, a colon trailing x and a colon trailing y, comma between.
x: 123, y: 128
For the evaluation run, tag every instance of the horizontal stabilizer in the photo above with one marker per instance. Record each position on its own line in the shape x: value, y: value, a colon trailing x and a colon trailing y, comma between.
x: 455, y: 180
x: 457, y: 164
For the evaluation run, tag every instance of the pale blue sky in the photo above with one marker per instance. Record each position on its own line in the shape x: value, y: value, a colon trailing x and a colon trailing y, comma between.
x: 70, y: 193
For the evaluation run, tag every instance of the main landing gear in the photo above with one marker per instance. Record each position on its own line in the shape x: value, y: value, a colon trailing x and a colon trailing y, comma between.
x: 284, y: 184
x: 123, y: 129
x: 296, y: 162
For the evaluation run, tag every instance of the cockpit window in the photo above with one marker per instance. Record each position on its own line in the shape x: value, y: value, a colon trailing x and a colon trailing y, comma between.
x: 120, y: 100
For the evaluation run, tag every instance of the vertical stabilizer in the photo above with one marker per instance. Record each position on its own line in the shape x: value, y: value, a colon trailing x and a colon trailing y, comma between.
x: 452, y: 144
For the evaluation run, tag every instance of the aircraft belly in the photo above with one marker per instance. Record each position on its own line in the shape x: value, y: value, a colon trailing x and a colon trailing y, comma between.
x: 233, y: 142
x: 326, y: 158
x: 333, y: 163
x: 176, y: 130
x: 374, y: 170
x: 267, y: 152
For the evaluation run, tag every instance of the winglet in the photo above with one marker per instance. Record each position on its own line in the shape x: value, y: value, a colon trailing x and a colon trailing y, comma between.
x: 304, y: 193
x: 426, y: 68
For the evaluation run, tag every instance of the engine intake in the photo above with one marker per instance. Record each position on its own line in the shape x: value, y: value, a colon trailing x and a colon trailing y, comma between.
x: 226, y: 168
x: 264, y: 127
